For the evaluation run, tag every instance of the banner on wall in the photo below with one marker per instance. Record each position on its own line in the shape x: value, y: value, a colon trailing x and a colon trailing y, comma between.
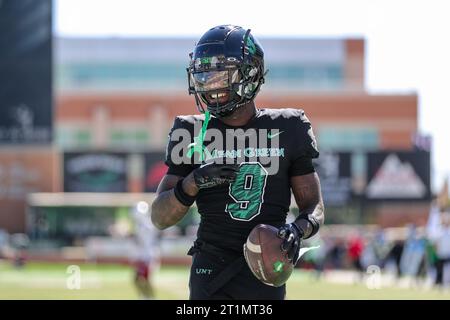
x: 26, y: 72
x: 398, y: 175
x: 95, y: 172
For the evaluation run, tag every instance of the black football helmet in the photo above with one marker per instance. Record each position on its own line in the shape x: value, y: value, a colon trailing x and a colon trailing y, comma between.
x: 226, y: 70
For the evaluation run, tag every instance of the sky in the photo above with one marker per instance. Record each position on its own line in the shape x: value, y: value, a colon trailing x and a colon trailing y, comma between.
x: 407, y: 41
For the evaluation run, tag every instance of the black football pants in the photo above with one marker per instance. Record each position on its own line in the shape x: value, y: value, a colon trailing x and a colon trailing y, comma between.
x: 215, y: 276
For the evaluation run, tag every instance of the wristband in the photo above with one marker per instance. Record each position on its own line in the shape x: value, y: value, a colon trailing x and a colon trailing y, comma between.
x: 315, y: 225
x: 182, y: 196
x: 300, y: 231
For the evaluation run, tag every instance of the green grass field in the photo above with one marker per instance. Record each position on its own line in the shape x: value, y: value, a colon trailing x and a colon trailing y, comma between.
x: 49, y: 281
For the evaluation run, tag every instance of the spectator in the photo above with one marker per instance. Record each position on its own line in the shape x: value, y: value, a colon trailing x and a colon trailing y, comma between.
x: 3, y: 243
x: 359, y: 256
x: 381, y: 248
x: 336, y: 254
x: 438, y: 231
x: 442, y: 242
x: 317, y: 257
x: 413, y: 253
x: 20, y: 243
x: 355, y: 250
x: 395, y: 255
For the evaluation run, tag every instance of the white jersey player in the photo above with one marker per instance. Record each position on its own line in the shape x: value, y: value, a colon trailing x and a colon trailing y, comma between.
x: 147, y: 255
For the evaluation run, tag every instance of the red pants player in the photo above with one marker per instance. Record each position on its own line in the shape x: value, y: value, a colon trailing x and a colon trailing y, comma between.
x: 146, y: 259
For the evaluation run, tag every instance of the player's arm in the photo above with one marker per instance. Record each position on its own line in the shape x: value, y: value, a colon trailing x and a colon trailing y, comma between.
x: 304, y: 180
x: 305, y: 186
x: 179, y: 188
x: 167, y: 210
x: 306, y: 190
x: 176, y: 194
x: 308, y: 196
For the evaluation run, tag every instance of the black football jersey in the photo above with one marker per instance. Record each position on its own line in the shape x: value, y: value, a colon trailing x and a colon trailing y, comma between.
x: 273, y: 146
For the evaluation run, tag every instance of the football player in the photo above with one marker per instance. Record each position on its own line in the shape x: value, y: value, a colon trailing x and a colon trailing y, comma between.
x: 146, y: 259
x: 236, y: 188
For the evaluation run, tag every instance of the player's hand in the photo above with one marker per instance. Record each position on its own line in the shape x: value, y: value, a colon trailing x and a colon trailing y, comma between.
x: 292, y: 236
x: 212, y: 175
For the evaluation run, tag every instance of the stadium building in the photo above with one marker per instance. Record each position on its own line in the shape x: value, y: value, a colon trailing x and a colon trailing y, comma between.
x: 115, y: 100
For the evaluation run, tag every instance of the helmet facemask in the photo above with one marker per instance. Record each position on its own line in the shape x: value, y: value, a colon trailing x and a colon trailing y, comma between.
x: 224, y: 90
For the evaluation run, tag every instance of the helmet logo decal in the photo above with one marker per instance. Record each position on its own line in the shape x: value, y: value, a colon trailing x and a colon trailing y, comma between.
x: 205, y: 60
x: 250, y: 46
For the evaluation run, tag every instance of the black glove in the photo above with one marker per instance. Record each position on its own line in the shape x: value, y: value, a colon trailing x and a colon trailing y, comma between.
x: 212, y: 175
x: 292, y: 236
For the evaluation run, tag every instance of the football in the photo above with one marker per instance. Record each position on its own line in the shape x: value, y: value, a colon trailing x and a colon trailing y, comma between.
x: 264, y: 257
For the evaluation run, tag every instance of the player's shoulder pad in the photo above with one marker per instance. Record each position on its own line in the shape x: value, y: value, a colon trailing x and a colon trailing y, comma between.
x: 301, y: 127
x: 287, y: 113
x: 187, y: 121
x: 298, y: 114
